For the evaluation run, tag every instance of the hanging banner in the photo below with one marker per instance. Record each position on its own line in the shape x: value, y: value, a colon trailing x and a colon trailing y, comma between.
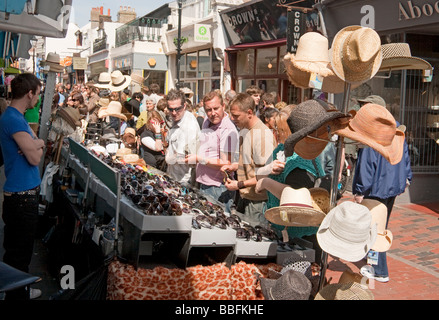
x: 48, y: 18
x: 298, y: 24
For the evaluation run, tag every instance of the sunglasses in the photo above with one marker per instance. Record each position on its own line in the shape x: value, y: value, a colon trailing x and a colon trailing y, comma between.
x: 175, y: 109
x: 75, y: 100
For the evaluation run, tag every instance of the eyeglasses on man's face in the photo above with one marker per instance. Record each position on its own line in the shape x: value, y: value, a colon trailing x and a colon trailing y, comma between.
x: 178, y: 109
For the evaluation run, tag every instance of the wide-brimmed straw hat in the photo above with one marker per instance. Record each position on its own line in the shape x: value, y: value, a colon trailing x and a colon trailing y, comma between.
x: 295, y: 209
x: 374, y: 126
x: 292, y: 285
x: 344, y: 291
x: 347, y: 231
x: 104, y: 80
x: 379, y: 216
x: 114, y: 109
x: 356, y: 54
x: 119, y: 81
x: 306, y: 118
x: 53, y: 62
x: 312, y: 54
x: 397, y: 56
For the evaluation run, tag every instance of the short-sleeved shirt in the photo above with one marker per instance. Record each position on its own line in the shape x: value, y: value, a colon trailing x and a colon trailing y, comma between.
x: 33, y: 115
x: 214, y: 140
x: 20, y: 174
x: 150, y: 156
x: 256, y: 146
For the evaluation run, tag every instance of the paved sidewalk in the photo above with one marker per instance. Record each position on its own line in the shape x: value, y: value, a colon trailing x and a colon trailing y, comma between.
x: 413, y: 259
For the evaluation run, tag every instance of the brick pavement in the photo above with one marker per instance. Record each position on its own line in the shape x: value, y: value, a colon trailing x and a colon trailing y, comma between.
x: 413, y: 259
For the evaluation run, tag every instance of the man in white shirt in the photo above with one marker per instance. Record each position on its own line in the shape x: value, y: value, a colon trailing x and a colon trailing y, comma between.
x: 182, y: 138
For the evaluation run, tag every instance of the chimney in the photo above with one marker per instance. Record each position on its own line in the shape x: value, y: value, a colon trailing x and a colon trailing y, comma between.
x: 102, y: 11
x: 109, y: 12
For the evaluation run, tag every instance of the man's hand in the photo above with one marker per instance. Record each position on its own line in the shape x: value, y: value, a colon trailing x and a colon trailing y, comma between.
x: 277, y: 167
x: 231, y: 185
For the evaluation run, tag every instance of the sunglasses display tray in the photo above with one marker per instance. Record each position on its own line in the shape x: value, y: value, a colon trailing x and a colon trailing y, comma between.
x: 261, y: 249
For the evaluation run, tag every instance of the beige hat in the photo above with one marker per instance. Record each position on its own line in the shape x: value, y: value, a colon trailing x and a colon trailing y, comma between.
x: 356, y: 54
x: 188, y: 92
x: 295, y: 209
x: 114, y: 109
x: 320, y: 199
x: 312, y: 54
x: 137, y: 79
x: 104, y: 80
x: 53, y: 61
x: 344, y: 291
x: 397, y: 56
x: 379, y: 216
x: 119, y: 81
x: 122, y: 152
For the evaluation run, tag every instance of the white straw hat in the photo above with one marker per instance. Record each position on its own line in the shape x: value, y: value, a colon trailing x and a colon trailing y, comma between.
x: 114, y: 109
x: 104, y: 80
x: 347, y: 232
x: 119, y: 81
x: 379, y: 217
x: 356, y: 54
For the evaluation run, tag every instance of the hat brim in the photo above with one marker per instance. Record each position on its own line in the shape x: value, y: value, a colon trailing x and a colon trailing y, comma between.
x: 266, y: 286
x: 335, y: 56
x: 124, y: 85
x: 347, y: 291
x: 102, y: 86
x: 392, y: 153
x: 117, y: 115
x: 405, y: 63
x: 309, y: 148
x: 339, y: 248
x: 295, y: 137
x: 320, y: 68
x: 383, y: 242
x: 293, y: 216
x: 53, y: 67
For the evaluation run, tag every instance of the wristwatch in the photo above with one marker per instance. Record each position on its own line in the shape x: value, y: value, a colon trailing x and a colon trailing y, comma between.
x: 241, y: 185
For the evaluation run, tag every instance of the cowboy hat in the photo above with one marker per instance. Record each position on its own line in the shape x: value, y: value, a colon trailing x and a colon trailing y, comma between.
x: 137, y: 79
x: 356, y: 54
x: 71, y: 115
x: 292, y: 285
x: 374, y: 126
x: 344, y: 291
x: 119, y: 81
x: 104, y: 80
x: 295, y: 209
x: 379, y: 216
x: 320, y: 199
x: 397, y: 56
x: 312, y: 54
x: 113, y: 109
x: 53, y: 62
x: 306, y: 118
x: 347, y: 231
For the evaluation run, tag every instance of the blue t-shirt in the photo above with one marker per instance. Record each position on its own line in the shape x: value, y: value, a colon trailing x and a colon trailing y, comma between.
x: 20, y: 174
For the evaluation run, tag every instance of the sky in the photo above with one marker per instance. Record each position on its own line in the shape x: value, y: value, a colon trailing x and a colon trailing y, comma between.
x: 81, y: 8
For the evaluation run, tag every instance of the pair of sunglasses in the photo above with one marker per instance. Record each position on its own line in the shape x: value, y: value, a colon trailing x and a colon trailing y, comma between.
x: 175, y: 109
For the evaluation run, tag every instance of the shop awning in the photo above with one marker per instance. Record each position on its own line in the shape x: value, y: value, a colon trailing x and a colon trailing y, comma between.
x: 257, y: 45
x: 47, y: 18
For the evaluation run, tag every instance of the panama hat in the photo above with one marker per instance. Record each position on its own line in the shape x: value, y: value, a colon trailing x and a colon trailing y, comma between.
x: 379, y: 216
x: 312, y: 54
x: 104, y: 80
x: 374, y: 126
x: 119, y: 81
x: 356, y: 54
x: 113, y: 109
x: 295, y: 209
x: 397, y: 56
x: 306, y: 118
x: 53, y: 62
x: 344, y: 291
x: 347, y: 231
x: 292, y: 285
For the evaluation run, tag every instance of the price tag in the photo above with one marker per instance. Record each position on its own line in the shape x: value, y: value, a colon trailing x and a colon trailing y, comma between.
x: 372, y: 257
x: 315, y: 81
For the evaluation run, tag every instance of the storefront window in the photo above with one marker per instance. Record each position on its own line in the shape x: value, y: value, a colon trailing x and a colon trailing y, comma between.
x: 245, y: 62
x: 216, y: 65
x: 204, y: 63
x: 191, y: 65
x: 266, y: 61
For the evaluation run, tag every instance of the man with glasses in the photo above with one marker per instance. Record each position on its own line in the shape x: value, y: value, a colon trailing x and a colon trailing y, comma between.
x: 182, y: 138
x: 22, y: 153
x: 218, y: 147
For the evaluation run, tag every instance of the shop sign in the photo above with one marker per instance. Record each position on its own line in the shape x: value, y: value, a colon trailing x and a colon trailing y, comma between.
x: 299, y: 23
x: 408, y: 10
x: 79, y: 63
x: 202, y: 33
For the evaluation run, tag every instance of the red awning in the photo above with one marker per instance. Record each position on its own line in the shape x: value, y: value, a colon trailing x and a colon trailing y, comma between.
x: 261, y: 44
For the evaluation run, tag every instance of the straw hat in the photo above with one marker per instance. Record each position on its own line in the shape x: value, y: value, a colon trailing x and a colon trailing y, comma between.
x: 123, y: 152
x: 347, y: 232
x: 306, y: 118
x: 188, y: 92
x: 114, y: 109
x: 130, y: 158
x: 397, y: 56
x: 356, y: 54
x: 70, y: 115
x: 137, y: 78
x: 379, y: 216
x: 119, y: 81
x: 292, y: 285
x: 53, y: 61
x: 320, y: 199
x: 374, y: 126
x: 295, y: 209
x: 344, y: 291
x: 312, y: 54
x: 349, y: 276
x: 104, y: 80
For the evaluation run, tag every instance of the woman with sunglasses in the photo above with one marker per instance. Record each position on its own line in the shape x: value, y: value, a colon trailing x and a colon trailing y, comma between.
x: 152, y: 138
x: 78, y: 103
